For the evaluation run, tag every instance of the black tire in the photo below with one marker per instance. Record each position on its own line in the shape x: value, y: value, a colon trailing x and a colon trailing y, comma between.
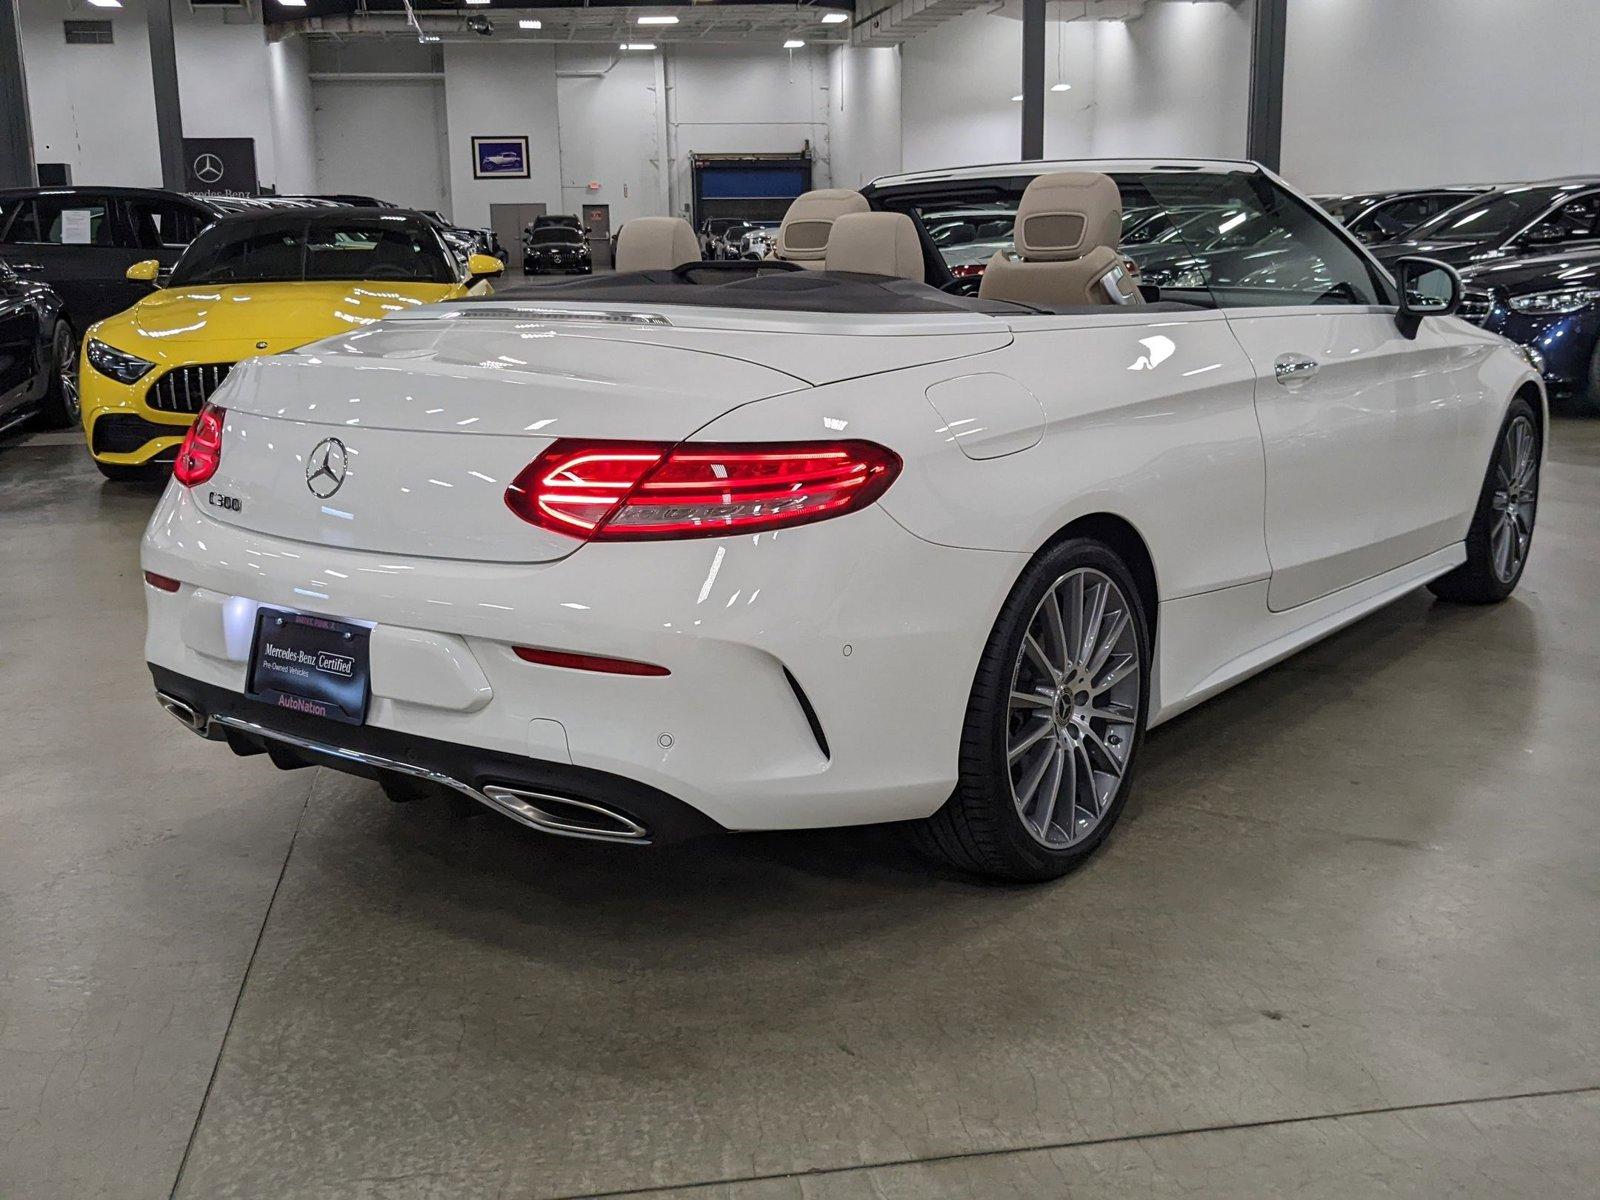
x: 144, y: 473
x: 1589, y: 394
x: 61, y: 404
x: 1478, y: 581
x: 981, y: 829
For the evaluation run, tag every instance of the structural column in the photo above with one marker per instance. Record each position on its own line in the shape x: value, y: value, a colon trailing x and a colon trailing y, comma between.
x: 1264, y: 142
x: 164, y: 72
x: 1033, y: 78
x: 16, y: 130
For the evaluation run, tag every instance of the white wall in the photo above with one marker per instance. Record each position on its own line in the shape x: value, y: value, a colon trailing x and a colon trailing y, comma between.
x: 863, y: 114
x: 382, y: 138
x: 94, y: 106
x: 1175, y: 81
x: 1383, y: 93
x: 292, y: 112
x: 498, y: 89
x: 609, y: 117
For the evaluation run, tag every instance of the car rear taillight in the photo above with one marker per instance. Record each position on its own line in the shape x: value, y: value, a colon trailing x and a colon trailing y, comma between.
x: 637, y: 491
x: 201, y: 451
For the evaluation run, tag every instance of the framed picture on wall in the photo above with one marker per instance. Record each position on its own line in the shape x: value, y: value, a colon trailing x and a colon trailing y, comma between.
x: 500, y: 158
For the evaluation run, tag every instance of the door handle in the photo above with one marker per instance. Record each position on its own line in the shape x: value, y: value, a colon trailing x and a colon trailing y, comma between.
x: 1295, y: 368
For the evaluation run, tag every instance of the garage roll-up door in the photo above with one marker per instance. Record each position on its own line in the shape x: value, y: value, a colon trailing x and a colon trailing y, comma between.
x: 757, y: 187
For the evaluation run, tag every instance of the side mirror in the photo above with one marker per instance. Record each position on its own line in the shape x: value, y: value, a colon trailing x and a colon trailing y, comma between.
x: 481, y: 267
x: 1428, y: 288
x: 146, y: 271
x: 1545, y: 235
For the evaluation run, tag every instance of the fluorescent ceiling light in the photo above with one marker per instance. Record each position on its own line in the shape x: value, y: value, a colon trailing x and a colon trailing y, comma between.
x: 835, y: 18
x: 477, y: 1
x: 1060, y: 87
x: 281, y: 3
x: 794, y: 44
x: 1016, y: 99
x: 638, y: 45
x: 527, y: 24
x: 655, y: 20
x: 118, y: 3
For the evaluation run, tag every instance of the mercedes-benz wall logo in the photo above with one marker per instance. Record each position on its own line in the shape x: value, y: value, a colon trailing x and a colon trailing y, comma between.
x: 325, y: 468
x: 208, y: 168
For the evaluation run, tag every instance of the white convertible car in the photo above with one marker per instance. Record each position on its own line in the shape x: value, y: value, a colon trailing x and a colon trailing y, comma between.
x: 837, y: 538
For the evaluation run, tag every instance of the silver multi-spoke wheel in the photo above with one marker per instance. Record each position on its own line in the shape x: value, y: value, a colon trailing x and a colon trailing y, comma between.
x: 1074, y: 707
x: 66, y: 369
x: 1515, y: 497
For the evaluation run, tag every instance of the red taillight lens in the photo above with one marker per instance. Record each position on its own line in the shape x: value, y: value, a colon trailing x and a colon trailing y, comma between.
x: 164, y: 583
x: 635, y: 491
x: 201, y: 451
x: 587, y: 662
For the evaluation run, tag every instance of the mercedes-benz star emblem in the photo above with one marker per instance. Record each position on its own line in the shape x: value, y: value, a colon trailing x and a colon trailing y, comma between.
x: 325, y: 468
x: 208, y: 168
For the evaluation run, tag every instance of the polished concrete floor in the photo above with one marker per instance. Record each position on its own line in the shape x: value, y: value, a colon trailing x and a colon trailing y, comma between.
x: 1346, y: 943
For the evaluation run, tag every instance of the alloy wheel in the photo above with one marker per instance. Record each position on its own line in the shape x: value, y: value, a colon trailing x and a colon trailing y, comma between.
x: 1515, y: 498
x: 1073, y: 708
x: 66, y: 368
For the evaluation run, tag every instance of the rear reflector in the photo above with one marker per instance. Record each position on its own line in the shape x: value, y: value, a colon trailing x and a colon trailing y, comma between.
x: 586, y: 662
x: 639, y: 491
x: 162, y: 582
x: 201, y: 451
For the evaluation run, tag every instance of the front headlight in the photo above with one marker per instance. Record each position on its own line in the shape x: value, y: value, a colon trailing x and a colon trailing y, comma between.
x: 1555, y: 303
x: 117, y: 364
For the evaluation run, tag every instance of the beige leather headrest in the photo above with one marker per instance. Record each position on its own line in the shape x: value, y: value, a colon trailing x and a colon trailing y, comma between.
x: 1064, y: 216
x: 875, y: 243
x: 656, y: 244
x: 803, y: 236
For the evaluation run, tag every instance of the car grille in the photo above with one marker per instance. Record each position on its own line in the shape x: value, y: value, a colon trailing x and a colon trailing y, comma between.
x: 122, y: 433
x: 186, y: 389
x: 1476, y: 304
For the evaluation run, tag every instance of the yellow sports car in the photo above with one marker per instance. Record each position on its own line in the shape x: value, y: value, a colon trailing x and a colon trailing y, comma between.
x: 254, y: 284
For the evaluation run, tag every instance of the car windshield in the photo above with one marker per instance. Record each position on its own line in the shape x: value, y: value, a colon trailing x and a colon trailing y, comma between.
x: 1488, y: 216
x: 555, y: 235
x: 285, y: 248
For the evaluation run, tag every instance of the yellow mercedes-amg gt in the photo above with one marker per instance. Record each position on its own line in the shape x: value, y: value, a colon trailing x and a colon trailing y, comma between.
x: 254, y: 284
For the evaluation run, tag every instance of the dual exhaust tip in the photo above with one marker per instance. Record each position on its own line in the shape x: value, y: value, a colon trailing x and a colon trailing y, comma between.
x: 560, y: 816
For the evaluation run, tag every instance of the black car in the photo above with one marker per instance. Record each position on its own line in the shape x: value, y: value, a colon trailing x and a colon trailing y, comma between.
x: 1549, y: 303
x: 1514, y: 221
x: 38, y: 354
x: 82, y: 240
x: 1377, y: 217
x: 555, y: 250
x: 467, y: 242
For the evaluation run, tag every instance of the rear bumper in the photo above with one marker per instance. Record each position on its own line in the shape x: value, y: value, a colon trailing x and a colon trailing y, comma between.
x: 818, y: 677
x: 555, y: 798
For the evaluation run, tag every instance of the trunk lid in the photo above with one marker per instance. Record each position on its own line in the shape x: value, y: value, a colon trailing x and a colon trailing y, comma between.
x: 402, y: 437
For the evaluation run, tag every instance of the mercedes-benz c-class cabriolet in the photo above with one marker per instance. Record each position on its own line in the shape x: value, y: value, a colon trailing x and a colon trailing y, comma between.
x: 836, y: 537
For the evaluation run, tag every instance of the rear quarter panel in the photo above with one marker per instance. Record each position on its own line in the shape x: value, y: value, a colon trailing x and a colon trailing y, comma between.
x: 1151, y: 420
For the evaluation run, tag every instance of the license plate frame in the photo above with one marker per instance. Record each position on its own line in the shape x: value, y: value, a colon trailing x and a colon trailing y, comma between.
x: 312, y: 665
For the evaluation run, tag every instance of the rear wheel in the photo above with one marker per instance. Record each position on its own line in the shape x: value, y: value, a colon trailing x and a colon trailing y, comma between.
x: 1501, y: 533
x: 1589, y: 395
x: 1056, y: 715
x: 61, y: 405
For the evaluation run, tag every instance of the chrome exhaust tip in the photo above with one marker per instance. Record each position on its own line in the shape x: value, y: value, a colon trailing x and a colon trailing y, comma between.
x: 566, y: 816
x: 184, y: 711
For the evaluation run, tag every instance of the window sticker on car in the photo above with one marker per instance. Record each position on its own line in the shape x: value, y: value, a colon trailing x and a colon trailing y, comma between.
x: 77, y: 226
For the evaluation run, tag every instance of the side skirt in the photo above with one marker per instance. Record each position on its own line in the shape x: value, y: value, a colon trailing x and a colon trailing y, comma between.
x: 1212, y: 641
